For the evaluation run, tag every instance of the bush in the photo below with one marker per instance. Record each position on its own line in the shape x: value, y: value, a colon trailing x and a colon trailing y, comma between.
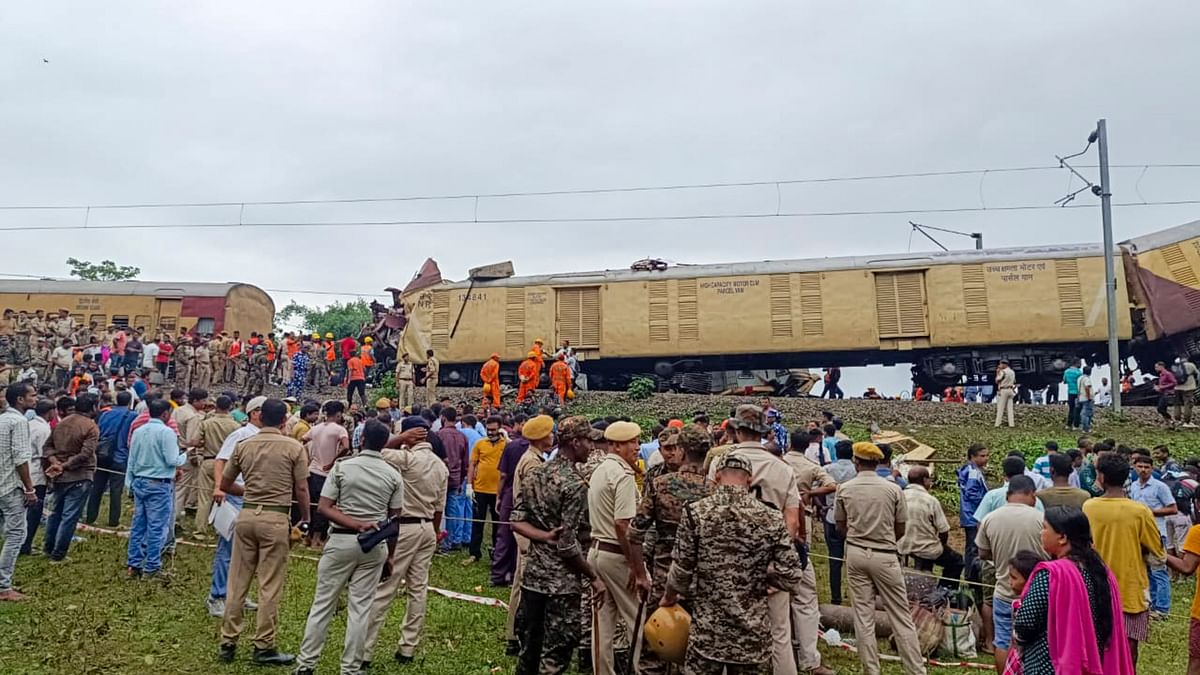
x: 641, y: 388
x: 385, y: 388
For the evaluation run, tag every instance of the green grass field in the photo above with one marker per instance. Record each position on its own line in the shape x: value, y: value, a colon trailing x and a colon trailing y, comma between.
x: 83, y: 617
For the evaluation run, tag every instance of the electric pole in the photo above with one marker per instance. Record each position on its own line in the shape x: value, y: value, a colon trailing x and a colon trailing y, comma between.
x: 1110, y: 276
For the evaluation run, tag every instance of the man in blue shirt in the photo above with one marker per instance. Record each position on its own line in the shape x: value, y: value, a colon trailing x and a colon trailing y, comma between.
x: 1157, y: 497
x: 1071, y: 378
x: 111, y: 456
x: 153, y: 458
x: 972, y: 486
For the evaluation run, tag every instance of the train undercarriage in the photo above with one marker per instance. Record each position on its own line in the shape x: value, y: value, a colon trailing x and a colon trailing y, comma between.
x: 1036, y: 366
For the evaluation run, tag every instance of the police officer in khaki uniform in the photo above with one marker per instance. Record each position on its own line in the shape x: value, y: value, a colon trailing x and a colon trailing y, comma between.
x: 773, y: 483
x: 185, y: 356
x: 404, y: 382
x: 425, y: 483
x: 188, y: 418
x: 870, y: 511
x: 273, y: 468
x: 432, y: 368
x: 359, y: 493
x: 612, y: 506
x: 217, y: 348
x: 202, y: 373
x: 814, y: 484
x: 211, y: 433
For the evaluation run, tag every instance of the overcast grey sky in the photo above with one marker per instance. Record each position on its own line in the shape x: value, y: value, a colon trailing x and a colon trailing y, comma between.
x: 167, y: 102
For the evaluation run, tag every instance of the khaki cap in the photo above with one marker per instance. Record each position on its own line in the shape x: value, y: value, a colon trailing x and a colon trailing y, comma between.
x: 620, y: 432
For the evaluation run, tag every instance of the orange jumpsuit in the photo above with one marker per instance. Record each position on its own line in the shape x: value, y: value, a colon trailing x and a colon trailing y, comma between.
x: 560, y: 379
x: 528, y: 373
x: 490, y: 374
x: 537, y: 376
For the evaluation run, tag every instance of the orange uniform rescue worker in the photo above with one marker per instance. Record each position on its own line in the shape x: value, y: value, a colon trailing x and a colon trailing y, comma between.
x: 560, y: 378
x: 528, y: 373
x: 540, y: 361
x: 490, y: 374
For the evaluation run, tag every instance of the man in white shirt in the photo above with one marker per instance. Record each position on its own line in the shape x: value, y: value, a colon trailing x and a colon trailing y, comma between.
x: 1103, y: 393
x: 39, y: 433
x: 1087, y: 399
x: 149, y: 352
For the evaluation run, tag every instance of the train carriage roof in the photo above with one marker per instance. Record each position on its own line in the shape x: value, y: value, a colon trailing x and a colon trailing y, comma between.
x: 1171, y: 235
x: 887, y: 261
x: 161, y: 289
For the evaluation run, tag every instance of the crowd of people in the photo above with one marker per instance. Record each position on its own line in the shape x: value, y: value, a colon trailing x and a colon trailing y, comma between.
x: 591, y: 523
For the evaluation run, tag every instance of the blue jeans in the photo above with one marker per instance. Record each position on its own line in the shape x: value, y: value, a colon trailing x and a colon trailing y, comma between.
x: 152, y: 498
x: 1002, y: 620
x: 1086, y: 410
x: 220, y: 566
x: 60, y: 526
x: 1160, y: 587
x: 458, y: 513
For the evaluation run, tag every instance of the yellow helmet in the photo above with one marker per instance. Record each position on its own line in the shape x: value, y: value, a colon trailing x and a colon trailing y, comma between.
x: 329, y: 336
x: 539, y: 341
x: 487, y: 388
x: 368, y: 340
x: 316, y: 336
x: 531, y: 355
x: 667, y: 633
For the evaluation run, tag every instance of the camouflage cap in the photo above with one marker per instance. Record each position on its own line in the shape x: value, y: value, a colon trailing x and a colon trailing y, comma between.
x: 574, y: 428
x: 732, y: 461
x: 668, y: 436
x: 750, y: 418
x: 694, y: 439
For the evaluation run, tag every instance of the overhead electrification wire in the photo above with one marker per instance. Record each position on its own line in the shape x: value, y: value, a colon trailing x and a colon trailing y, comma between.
x: 580, y: 191
x: 589, y: 219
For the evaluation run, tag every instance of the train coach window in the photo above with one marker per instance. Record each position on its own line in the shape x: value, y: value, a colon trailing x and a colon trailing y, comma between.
x: 142, y: 322
x: 120, y: 320
x: 99, y: 320
x: 78, y: 318
x: 166, y: 324
x: 205, y: 325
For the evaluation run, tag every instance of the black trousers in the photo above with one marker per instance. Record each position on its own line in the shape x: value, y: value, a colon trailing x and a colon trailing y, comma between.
x: 550, y: 630
x: 33, y: 518
x: 485, y: 505
x: 837, y: 554
x: 1072, y: 410
x: 356, y: 385
x: 112, y: 483
x: 950, y: 562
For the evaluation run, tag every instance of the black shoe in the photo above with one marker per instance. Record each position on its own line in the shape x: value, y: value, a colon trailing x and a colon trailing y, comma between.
x: 585, y: 660
x: 364, y: 666
x: 304, y: 671
x: 513, y: 648
x: 226, y: 652
x: 272, y: 657
x: 402, y: 659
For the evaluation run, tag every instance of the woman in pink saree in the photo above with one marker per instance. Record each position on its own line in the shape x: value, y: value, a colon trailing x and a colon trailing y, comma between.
x: 1070, y: 622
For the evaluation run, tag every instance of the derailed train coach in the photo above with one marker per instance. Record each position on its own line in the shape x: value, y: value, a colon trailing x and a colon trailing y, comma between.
x: 954, y: 315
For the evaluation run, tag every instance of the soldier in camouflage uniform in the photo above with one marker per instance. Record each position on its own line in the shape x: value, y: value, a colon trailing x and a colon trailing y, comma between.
x: 730, y: 549
x: 8, y: 330
x: 320, y: 367
x: 256, y: 375
x: 552, y: 512
x: 680, y: 482
x: 185, y: 357
x: 23, y: 344
x: 597, y: 455
x: 39, y: 358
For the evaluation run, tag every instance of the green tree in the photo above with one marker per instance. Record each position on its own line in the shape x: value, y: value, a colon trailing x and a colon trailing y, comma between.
x: 339, y: 318
x: 107, y: 270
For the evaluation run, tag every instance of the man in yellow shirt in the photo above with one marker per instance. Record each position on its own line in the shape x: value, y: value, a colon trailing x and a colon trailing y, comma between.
x: 1187, y: 564
x: 1125, y: 534
x: 483, y: 484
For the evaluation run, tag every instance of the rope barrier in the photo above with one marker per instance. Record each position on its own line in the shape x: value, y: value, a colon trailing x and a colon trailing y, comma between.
x: 907, y: 570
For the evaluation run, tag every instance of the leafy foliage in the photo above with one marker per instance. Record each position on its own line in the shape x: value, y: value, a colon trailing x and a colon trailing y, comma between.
x: 385, y: 389
x: 641, y: 388
x: 339, y: 318
x: 106, y: 270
